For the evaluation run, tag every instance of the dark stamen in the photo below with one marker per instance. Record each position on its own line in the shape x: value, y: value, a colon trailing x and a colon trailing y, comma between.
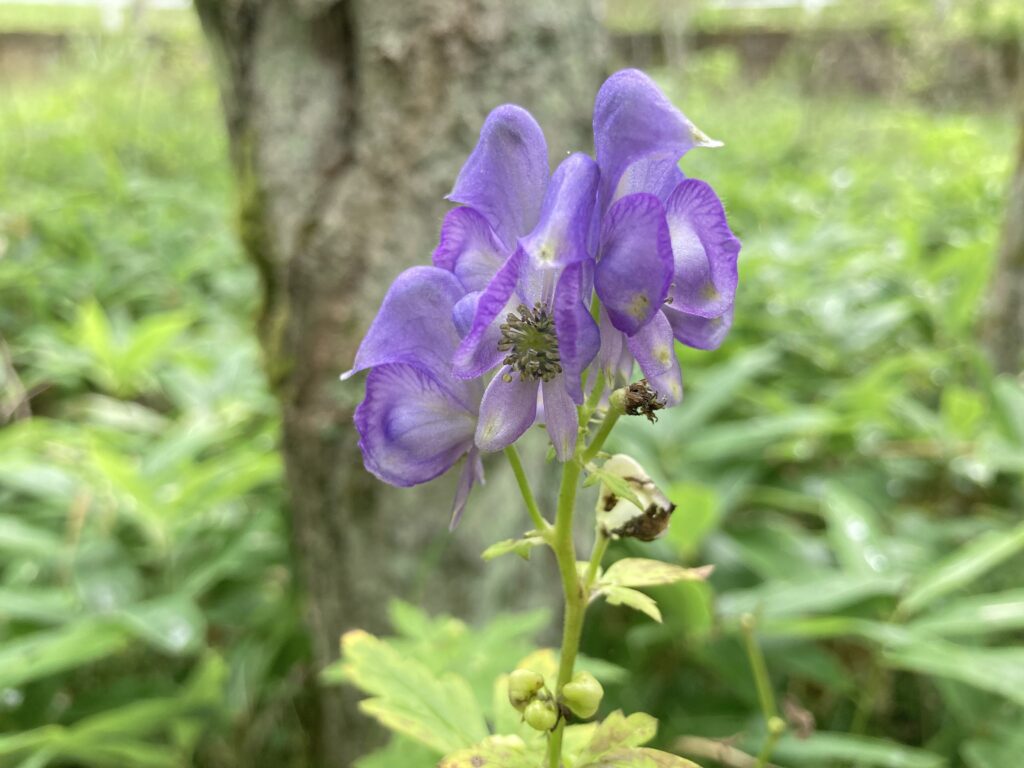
x: 530, y: 341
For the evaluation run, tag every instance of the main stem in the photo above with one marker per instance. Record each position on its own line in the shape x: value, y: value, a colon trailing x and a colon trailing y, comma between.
x: 573, y: 589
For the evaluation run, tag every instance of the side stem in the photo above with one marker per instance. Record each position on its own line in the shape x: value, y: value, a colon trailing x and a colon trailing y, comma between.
x: 542, y: 525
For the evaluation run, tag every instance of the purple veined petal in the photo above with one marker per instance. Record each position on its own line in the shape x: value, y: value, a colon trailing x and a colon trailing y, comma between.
x: 469, y: 248
x: 614, y: 357
x: 506, y: 174
x: 657, y: 174
x: 560, y: 236
x: 704, y: 249
x: 560, y: 418
x: 414, y: 324
x: 411, y: 427
x: 508, y: 409
x: 464, y: 311
x: 478, y: 352
x: 578, y: 336
x: 633, y: 118
x: 472, y: 473
x: 699, y: 332
x: 655, y: 353
x: 634, y: 270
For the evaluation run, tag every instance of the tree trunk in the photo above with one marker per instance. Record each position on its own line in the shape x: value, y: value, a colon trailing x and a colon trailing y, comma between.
x: 1004, y: 331
x: 349, y: 120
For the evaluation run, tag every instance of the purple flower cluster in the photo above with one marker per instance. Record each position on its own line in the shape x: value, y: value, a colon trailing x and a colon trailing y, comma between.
x: 464, y: 353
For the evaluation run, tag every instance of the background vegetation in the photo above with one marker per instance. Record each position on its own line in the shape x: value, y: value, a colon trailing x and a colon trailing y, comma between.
x: 848, y: 461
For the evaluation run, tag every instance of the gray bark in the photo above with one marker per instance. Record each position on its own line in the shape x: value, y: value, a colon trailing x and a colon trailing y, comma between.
x: 1004, y: 331
x: 348, y: 123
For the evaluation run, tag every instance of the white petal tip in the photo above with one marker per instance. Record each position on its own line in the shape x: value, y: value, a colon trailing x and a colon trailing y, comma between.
x: 348, y: 374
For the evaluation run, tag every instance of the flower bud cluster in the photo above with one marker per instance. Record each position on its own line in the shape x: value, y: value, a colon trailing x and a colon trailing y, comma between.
x: 527, y: 692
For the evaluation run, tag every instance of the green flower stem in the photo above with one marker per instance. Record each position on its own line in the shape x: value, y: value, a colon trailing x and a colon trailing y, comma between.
x: 573, y: 590
x: 600, y: 547
x: 543, y: 526
x: 602, y: 434
x: 775, y: 724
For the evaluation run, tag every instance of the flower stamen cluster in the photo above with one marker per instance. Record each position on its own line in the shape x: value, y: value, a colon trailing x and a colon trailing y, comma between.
x: 532, y: 346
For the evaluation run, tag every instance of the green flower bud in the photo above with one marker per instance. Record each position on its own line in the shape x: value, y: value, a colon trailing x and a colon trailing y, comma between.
x: 583, y: 694
x: 523, y: 685
x: 541, y: 714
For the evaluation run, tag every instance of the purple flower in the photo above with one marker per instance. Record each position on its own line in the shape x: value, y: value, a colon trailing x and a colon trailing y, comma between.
x: 417, y: 420
x: 666, y: 264
x: 519, y: 247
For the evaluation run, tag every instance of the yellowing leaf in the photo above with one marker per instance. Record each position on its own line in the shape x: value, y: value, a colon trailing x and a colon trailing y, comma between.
x: 640, y: 572
x: 630, y: 598
x: 641, y: 758
x: 521, y: 547
x: 617, y: 732
x: 496, y: 752
x: 439, y: 712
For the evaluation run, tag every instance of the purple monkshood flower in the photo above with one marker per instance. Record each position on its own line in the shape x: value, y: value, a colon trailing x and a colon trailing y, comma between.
x: 417, y: 420
x: 513, y: 275
x: 518, y: 245
x: 666, y: 258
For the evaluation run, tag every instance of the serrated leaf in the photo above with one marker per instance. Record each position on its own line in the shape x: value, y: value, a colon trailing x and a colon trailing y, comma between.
x: 962, y: 567
x: 496, y: 752
x: 617, y: 732
x: 640, y: 758
x: 631, y: 598
x: 521, y: 547
x: 640, y: 572
x: 439, y: 712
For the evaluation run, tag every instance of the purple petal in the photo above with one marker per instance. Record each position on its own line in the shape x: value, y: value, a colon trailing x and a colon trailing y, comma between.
x: 464, y: 311
x: 508, y: 409
x: 699, y: 332
x: 657, y: 174
x: 633, y: 118
x: 705, y: 251
x: 578, y: 335
x: 560, y: 417
x: 654, y: 350
x: 478, y: 352
x: 505, y: 176
x: 635, y: 267
x: 414, y: 324
x: 614, y: 357
x: 411, y: 427
x: 469, y: 248
x: 472, y: 473
x: 560, y: 236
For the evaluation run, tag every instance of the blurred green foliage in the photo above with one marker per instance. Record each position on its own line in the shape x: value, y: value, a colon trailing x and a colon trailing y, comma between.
x: 847, y: 461
x: 145, y: 595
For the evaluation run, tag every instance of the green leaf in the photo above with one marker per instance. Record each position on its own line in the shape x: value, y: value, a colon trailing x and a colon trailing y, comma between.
x: 631, y: 598
x: 51, y: 651
x: 997, y: 670
x: 853, y: 531
x: 824, y: 591
x: 173, y: 624
x: 823, y: 748
x: 640, y: 572
x: 618, y: 732
x: 698, y: 510
x: 26, y: 540
x: 439, y: 712
x: 495, y: 752
x: 521, y: 547
x: 42, y: 605
x: 963, y: 567
x: 640, y: 758
x: 979, y: 615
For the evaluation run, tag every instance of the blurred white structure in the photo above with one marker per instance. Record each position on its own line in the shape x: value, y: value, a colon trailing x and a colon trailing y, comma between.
x: 115, y: 13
